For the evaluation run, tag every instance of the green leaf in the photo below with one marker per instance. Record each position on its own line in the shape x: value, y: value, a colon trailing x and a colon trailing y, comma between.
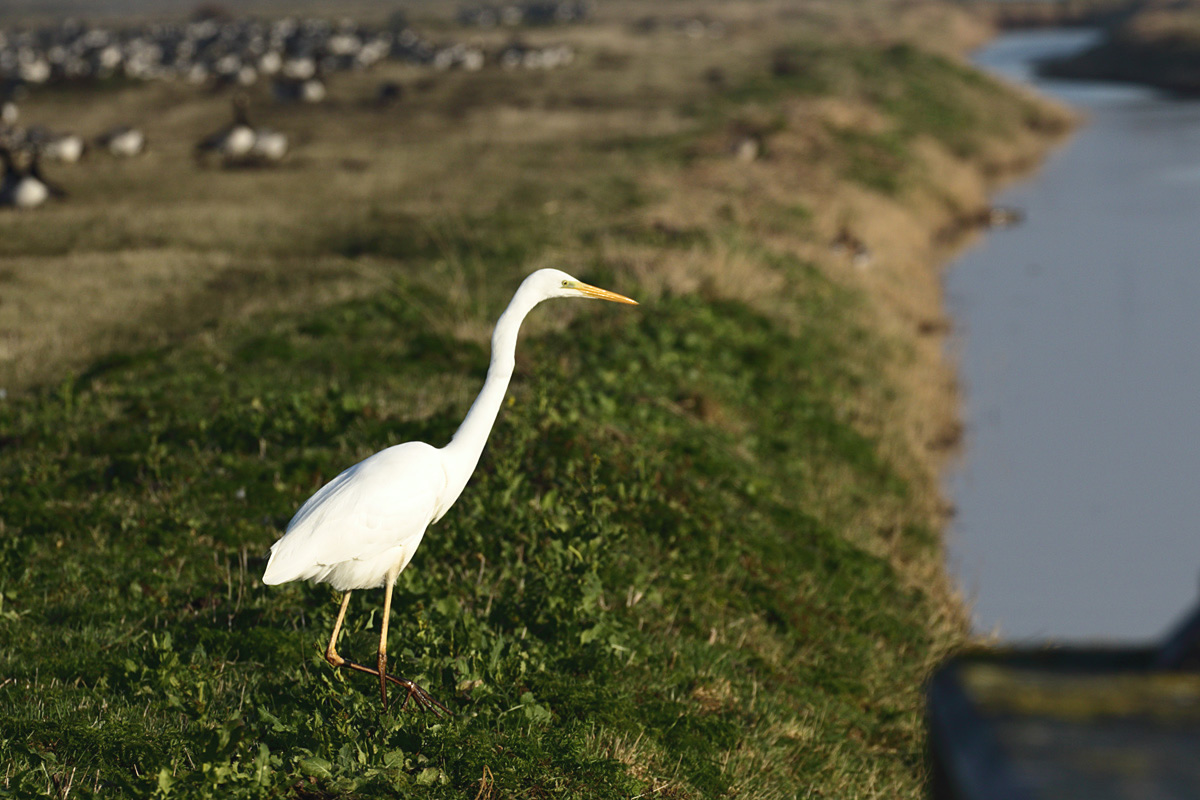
x: 165, y: 782
x: 315, y: 766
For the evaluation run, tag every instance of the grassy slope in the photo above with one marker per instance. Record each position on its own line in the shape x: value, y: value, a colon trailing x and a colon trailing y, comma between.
x: 693, y: 558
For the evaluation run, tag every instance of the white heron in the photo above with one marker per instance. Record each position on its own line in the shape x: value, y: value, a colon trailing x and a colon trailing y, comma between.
x: 360, y: 530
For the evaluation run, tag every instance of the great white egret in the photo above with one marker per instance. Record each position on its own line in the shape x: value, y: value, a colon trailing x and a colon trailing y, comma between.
x: 361, y: 529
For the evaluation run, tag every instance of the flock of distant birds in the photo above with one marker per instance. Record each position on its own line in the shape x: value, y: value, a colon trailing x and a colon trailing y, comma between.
x: 22, y: 149
x: 296, y: 55
x: 288, y: 51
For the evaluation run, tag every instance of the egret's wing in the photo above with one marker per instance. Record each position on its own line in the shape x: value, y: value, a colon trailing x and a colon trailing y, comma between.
x: 383, y: 502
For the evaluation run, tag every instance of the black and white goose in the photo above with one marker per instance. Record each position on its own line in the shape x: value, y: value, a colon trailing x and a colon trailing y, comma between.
x: 66, y: 148
x: 269, y: 145
x: 123, y: 141
x: 19, y: 188
x: 35, y: 172
x: 292, y: 90
x: 232, y: 143
x: 9, y: 114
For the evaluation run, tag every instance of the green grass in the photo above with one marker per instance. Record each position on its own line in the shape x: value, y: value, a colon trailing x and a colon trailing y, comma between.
x: 921, y: 94
x: 619, y: 570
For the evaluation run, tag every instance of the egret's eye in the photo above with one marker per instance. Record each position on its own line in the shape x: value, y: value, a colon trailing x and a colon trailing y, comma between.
x: 566, y: 283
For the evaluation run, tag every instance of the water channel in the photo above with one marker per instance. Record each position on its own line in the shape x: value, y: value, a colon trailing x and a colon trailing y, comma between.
x: 1078, y: 494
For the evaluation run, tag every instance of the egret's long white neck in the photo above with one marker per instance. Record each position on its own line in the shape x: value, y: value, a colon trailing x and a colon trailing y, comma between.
x: 466, y: 446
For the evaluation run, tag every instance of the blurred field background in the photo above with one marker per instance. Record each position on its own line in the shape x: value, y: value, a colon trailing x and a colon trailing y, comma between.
x: 701, y: 556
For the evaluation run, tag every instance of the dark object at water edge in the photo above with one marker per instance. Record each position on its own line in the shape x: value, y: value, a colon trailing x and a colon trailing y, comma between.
x: 1051, y: 722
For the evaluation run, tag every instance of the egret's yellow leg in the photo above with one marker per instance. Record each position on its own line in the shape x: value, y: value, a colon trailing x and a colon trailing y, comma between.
x: 387, y: 613
x: 331, y: 652
x: 423, y: 699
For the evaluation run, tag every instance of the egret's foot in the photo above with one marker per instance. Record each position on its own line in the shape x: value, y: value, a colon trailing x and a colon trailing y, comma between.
x: 421, y: 698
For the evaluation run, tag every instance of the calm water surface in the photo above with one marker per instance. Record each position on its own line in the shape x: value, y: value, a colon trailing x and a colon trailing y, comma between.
x: 1079, y: 492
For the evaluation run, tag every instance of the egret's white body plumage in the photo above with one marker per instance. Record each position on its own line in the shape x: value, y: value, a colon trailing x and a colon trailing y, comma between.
x: 364, y: 523
x: 361, y: 529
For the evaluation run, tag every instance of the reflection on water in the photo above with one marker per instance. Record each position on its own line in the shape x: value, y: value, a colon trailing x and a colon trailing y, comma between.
x: 1079, y: 494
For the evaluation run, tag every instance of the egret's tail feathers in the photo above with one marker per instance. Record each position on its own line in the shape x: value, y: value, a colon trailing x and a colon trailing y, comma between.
x: 280, y: 568
x: 274, y: 575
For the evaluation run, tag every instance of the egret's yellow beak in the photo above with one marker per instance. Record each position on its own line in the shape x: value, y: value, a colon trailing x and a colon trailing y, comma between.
x: 603, y: 294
